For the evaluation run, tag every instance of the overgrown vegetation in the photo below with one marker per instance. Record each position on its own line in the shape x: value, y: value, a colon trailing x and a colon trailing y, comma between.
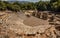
x: 52, y: 5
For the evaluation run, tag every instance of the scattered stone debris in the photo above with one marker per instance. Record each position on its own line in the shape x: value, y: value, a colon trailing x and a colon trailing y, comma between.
x: 14, y: 26
x: 1, y: 21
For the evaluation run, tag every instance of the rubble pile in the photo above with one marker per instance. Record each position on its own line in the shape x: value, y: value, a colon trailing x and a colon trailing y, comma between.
x: 12, y: 25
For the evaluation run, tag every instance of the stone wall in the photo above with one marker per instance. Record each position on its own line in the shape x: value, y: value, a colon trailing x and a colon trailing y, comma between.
x: 14, y: 24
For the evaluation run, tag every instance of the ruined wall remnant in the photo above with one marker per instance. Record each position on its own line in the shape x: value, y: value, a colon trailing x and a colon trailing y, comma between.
x: 17, y: 25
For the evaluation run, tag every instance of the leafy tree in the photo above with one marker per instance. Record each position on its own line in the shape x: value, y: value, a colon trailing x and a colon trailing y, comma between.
x: 2, y: 6
x: 55, y: 5
x: 41, y: 6
x: 52, y: 5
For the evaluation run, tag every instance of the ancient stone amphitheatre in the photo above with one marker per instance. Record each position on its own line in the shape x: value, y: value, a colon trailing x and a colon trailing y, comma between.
x: 18, y: 25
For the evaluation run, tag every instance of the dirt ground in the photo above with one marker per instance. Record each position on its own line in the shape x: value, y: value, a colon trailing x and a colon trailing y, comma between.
x: 18, y: 25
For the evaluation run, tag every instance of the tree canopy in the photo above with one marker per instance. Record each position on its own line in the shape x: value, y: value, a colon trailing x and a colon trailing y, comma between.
x: 52, y: 5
